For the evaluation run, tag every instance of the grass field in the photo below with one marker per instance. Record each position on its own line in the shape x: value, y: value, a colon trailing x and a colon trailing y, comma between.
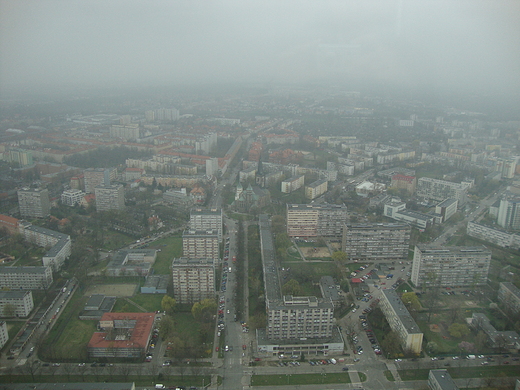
x: 299, y: 379
x: 463, y: 372
x: 170, y: 247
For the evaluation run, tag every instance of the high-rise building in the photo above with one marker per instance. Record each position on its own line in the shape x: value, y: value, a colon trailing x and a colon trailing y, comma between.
x: 200, y: 244
x: 509, y: 211
x: 509, y: 296
x: 96, y: 176
x: 193, y: 279
x: 313, y: 220
x: 389, y: 241
x: 450, y: 266
x: 110, y: 197
x: 206, y: 219
x: 20, y: 156
x: 127, y: 132
x: 34, y: 203
x: 212, y: 166
x: 4, y: 334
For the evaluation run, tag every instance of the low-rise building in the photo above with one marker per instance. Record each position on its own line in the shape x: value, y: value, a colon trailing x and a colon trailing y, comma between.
x: 155, y: 284
x: 500, y: 340
x: 493, y: 235
x: 441, y: 380
x: 96, y: 306
x: 401, y: 321
x: 134, y: 262
x: 122, y: 335
x: 447, y: 208
x: 316, y: 189
x: 72, y: 197
x: 20, y: 301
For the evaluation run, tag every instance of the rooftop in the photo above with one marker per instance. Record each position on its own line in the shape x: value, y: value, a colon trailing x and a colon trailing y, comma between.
x: 402, y: 312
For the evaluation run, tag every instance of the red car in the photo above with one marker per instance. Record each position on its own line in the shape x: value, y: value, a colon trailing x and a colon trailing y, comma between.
x: 244, y: 346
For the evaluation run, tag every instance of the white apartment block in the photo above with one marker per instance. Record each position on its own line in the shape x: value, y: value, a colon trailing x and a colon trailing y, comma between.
x: 439, y: 190
x: 193, y: 279
x: 299, y: 318
x: 72, y: 197
x: 509, y: 297
x: 4, y: 334
x: 21, y: 301
x: 127, y: 132
x: 34, y: 203
x: 206, y: 219
x: 376, y: 242
x: 110, y: 197
x: 401, y: 321
x: 495, y: 236
x: 25, y: 278
x: 447, y: 208
x: 315, y: 189
x: 61, y: 244
x: 312, y: 220
x: 200, y: 244
x: 450, y: 266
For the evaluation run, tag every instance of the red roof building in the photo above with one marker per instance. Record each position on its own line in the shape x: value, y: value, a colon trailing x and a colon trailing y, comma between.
x: 123, y: 335
x: 9, y: 223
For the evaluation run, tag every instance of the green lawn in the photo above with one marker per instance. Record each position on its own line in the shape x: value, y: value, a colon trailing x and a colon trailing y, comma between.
x: 170, y: 247
x: 151, y: 302
x: 114, y: 240
x: 299, y: 379
x: 389, y: 376
x: 463, y: 372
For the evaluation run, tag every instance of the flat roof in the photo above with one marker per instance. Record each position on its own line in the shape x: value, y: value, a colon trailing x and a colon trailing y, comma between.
x: 512, y: 288
x: 13, y: 294
x: 184, y: 261
x: 444, y: 379
x: 23, y: 270
x: 402, y: 312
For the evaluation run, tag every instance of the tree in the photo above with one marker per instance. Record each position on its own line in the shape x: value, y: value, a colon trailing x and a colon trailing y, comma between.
x: 411, y: 301
x: 292, y: 287
x: 480, y: 340
x: 168, y: 304
x: 391, y: 344
x: 432, y: 347
x: 458, y: 330
x: 204, y: 310
x: 466, y: 346
x: 166, y: 327
x: 339, y: 256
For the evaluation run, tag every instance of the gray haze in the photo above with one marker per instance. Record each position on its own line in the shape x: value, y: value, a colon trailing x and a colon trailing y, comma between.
x: 449, y: 45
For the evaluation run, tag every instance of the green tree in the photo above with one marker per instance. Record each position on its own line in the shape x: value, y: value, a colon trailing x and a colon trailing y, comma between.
x: 339, y: 256
x: 458, y: 330
x: 278, y: 224
x: 204, y: 310
x: 411, y: 301
x: 168, y: 304
x: 391, y: 344
x: 292, y: 287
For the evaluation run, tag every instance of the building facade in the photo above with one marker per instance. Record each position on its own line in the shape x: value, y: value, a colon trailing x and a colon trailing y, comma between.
x: 193, y: 279
x: 401, y: 321
x: 376, y: 241
x: 34, y: 203
x: 20, y: 301
x: 312, y: 220
x: 441, y: 380
x: 443, y: 266
x: 292, y: 184
x: 110, y: 197
x: 509, y: 297
x: 4, y: 334
x: 206, y: 219
x: 200, y: 244
x: 509, y: 212
x: 25, y: 278
x: 316, y: 189
x: 72, y: 197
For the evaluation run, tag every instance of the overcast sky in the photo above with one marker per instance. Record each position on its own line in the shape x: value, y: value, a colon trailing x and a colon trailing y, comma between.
x: 468, y: 44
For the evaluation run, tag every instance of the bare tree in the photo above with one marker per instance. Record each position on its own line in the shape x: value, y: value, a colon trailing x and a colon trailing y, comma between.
x: 124, y: 371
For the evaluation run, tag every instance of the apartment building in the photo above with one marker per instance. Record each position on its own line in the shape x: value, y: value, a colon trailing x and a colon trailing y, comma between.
x: 200, y: 244
x: 61, y: 244
x: 206, y: 219
x: 447, y: 208
x: 381, y: 241
x: 407, y: 183
x: 401, y: 321
x: 509, y: 297
x: 193, y: 279
x: 509, y: 211
x: 495, y: 236
x: 110, y: 197
x: 25, y: 278
x: 441, y: 380
x: 20, y: 301
x: 9, y: 223
x: 34, y: 203
x: 315, y: 189
x: 94, y: 177
x: 4, y: 334
x: 126, y: 132
x: 292, y: 184
x: 312, y: 220
x: 439, y: 190
x: 72, y: 197
x: 299, y: 317
x: 450, y: 266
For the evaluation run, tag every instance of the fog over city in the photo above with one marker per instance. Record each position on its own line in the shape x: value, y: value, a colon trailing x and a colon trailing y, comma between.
x: 442, y: 46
